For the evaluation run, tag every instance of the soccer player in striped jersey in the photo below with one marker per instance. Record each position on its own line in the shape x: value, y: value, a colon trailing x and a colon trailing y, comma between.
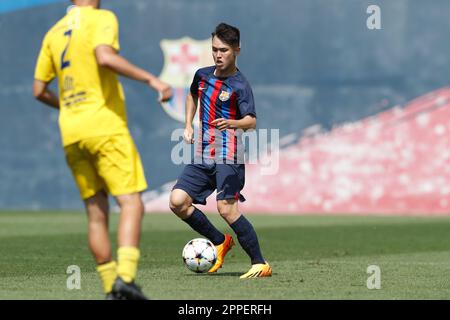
x: 81, y: 51
x: 226, y: 108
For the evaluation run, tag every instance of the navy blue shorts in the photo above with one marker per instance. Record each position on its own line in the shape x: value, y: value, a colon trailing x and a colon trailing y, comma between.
x: 200, y: 181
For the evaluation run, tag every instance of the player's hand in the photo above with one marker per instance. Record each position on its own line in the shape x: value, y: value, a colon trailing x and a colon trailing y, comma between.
x: 164, y: 89
x: 222, y: 124
x: 188, y: 135
x: 165, y: 94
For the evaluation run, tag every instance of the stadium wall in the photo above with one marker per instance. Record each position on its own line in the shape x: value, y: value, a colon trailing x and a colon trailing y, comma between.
x: 312, y: 64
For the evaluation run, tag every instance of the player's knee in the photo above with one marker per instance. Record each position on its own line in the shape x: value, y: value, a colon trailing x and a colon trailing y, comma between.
x: 131, y: 202
x: 178, y: 204
x: 225, y: 210
x: 140, y: 205
x: 97, y: 218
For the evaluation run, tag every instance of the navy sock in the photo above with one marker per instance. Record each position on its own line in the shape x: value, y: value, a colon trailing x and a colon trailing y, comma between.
x: 248, y: 239
x: 200, y: 223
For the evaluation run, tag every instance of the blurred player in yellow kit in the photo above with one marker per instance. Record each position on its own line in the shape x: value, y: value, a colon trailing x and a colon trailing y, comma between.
x: 81, y: 50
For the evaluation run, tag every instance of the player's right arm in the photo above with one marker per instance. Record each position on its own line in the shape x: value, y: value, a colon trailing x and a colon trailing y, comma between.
x: 45, y: 95
x: 43, y: 75
x: 191, y: 108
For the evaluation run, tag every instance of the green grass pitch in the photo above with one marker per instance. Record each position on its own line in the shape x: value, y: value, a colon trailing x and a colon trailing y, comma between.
x: 313, y: 257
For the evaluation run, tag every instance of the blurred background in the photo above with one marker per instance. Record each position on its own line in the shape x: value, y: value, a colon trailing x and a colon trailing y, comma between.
x: 363, y: 114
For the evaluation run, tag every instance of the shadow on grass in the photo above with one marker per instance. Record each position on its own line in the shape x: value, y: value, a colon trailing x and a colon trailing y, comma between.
x: 221, y: 274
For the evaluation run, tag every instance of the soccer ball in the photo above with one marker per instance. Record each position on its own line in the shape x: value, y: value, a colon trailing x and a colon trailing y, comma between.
x: 199, y: 255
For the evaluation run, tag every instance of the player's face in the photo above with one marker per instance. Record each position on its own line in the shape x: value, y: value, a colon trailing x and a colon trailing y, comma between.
x: 224, y: 55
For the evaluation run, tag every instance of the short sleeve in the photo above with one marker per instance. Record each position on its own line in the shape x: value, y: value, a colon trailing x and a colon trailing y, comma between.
x: 45, y: 69
x: 194, y: 84
x: 246, y: 102
x: 106, y: 31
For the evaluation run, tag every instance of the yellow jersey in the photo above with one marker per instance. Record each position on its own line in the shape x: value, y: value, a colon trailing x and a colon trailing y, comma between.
x: 91, y: 98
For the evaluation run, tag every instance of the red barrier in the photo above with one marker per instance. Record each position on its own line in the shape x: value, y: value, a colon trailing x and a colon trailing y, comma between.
x: 397, y: 162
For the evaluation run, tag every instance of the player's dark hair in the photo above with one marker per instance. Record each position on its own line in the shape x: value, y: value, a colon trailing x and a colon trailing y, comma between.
x: 227, y: 34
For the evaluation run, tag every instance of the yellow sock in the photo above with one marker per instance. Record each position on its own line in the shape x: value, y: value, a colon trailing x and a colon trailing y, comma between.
x: 127, y: 258
x: 108, y: 273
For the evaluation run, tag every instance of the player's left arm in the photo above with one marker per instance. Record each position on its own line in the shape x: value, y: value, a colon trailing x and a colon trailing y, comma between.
x: 105, y: 41
x: 246, y: 123
x: 42, y: 93
x: 246, y: 104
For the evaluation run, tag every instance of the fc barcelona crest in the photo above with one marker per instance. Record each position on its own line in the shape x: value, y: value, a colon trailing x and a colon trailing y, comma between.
x: 224, y: 96
x: 182, y: 57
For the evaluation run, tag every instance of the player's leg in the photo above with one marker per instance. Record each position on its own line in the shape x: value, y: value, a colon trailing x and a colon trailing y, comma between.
x: 97, y: 209
x: 128, y: 253
x: 119, y: 164
x: 98, y: 234
x: 230, y: 181
x: 247, y: 237
x: 129, y: 232
x: 92, y: 192
x: 181, y: 205
x: 193, y: 186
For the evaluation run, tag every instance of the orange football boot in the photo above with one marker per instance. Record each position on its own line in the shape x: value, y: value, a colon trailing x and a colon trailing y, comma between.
x: 222, y: 250
x: 259, y: 270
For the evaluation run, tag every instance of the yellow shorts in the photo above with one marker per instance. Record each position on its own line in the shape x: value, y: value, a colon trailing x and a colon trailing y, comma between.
x: 109, y: 163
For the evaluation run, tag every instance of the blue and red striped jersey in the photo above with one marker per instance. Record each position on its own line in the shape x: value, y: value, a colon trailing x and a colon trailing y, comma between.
x: 228, y: 98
